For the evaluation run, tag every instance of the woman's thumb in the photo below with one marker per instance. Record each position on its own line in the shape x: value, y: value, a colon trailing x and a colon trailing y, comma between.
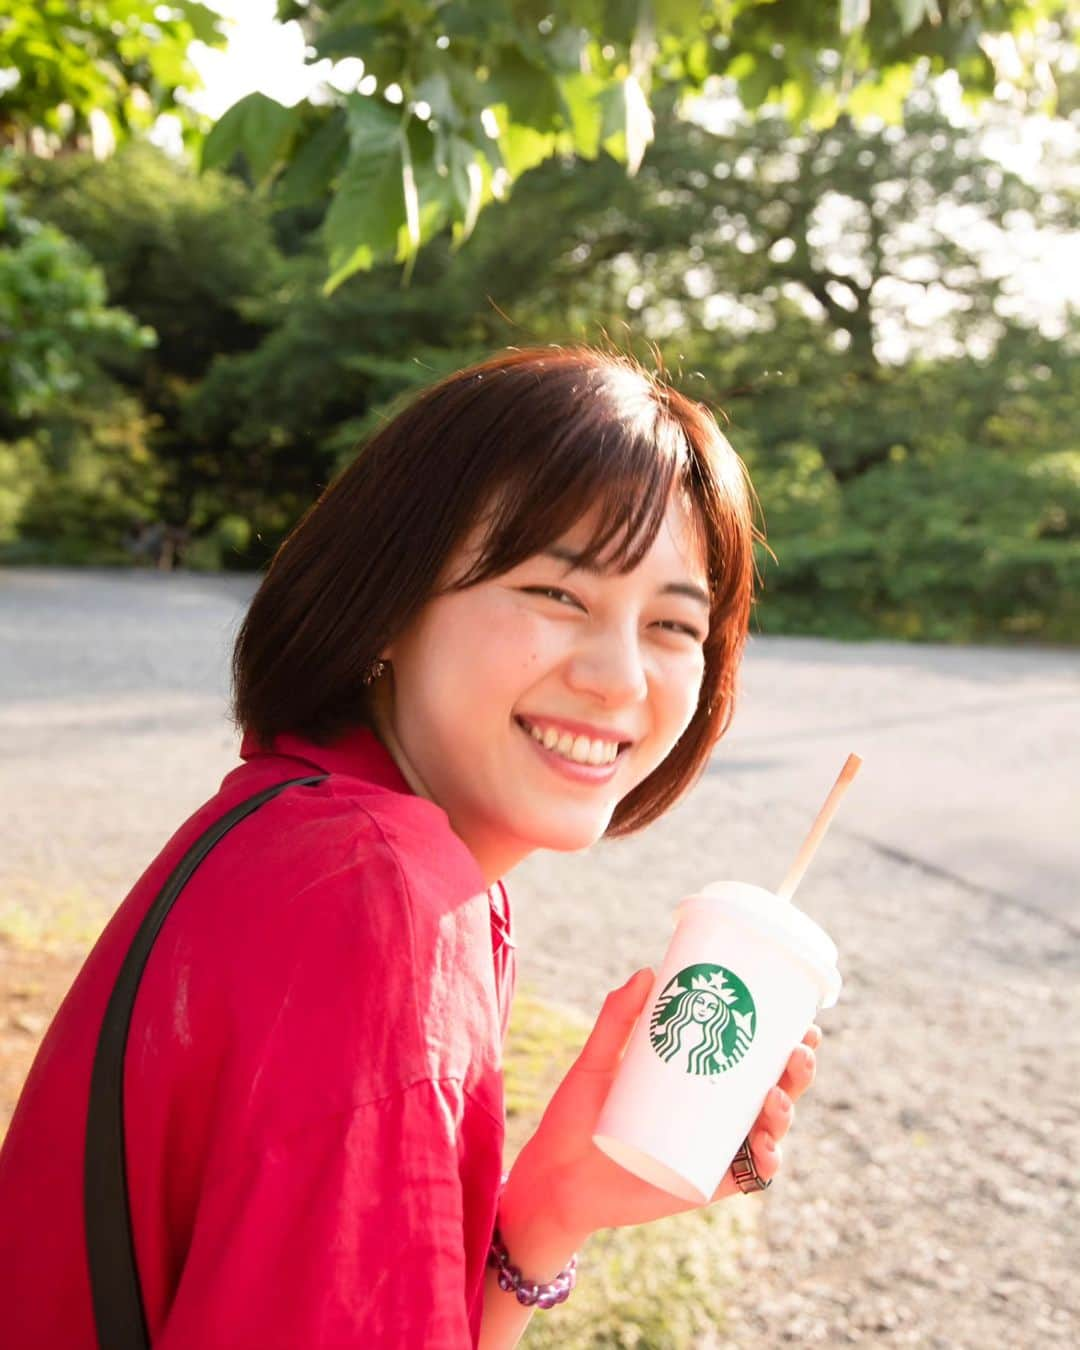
x: 621, y: 1009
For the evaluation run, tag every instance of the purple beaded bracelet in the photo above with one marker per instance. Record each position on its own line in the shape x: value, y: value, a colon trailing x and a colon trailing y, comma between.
x: 528, y: 1293
x: 525, y: 1291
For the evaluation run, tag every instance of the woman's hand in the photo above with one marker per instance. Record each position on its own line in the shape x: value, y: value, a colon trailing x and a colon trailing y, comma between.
x: 563, y: 1175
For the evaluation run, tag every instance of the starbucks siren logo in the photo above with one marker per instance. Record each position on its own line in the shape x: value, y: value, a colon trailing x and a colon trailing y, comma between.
x: 704, y: 1020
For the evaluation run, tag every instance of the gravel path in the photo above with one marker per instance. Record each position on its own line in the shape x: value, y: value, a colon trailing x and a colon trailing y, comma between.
x: 930, y: 1193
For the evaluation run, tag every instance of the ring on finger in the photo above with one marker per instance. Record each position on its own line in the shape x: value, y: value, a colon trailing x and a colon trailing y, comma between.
x: 744, y: 1170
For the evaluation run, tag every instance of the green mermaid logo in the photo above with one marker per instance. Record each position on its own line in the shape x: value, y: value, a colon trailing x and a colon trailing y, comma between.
x: 704, y: 1020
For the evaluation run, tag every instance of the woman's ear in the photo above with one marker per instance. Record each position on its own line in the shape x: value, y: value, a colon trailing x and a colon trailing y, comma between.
x: 380, y: 690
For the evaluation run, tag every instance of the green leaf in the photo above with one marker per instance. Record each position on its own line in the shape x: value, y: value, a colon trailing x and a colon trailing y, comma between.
x: 854, y: 15
x: 316, y: 163
x: 478, y: 176
x: 886, y: 98
x: 464, y: 183
x: 764, y: 74
x: 452, y: 192
x: 620, y: 21
x: 470, y: 19
x: 582, y: 93
x: 627, y: 123
x: 258, y: 126
x: 169, y: 64
x: 530, y: 92
x: 809, y: 103
x: 346, y: 12
x: 678, y: 16
x: 358, y: 39
x: 206, y: 23
x: 565, y: 46
x: 696, y: 60
x: 435, y: 90
x: 524, y: 147
x: 408, y: 247
x: 912, y: 13
x: 368, y: 209
x: 373, y: 125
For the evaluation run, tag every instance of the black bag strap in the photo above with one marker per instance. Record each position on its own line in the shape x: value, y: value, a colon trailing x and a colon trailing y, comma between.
x: 114, y: 1276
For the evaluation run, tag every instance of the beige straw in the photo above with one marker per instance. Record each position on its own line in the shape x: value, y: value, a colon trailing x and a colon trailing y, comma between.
x: 817, y: 830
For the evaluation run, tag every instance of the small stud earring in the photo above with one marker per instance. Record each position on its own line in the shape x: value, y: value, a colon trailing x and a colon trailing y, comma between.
x: 374, y: 672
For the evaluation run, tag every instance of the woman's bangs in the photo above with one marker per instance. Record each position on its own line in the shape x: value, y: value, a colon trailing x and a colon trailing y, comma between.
x: 617, y: 479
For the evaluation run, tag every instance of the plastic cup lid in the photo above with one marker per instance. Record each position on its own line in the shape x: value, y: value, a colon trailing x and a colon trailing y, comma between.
x: 778, y: 919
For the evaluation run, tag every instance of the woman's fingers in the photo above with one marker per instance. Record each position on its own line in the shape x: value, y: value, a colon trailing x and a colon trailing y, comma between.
x: 608, y: 1038
x: 778, y: 1110
x: 767, y: 1154
x: 776, y: 1114
x: 801, y: 1065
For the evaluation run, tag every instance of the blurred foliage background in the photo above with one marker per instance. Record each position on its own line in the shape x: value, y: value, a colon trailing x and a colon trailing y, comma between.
x: 800, y: 215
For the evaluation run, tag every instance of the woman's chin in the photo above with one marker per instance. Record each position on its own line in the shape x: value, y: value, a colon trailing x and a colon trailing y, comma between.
x: 570, y: 836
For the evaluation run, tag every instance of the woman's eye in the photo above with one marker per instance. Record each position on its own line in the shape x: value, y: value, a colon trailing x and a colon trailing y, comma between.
x: 673, y: 626
x: 552, y: 593
x: 562, y: 597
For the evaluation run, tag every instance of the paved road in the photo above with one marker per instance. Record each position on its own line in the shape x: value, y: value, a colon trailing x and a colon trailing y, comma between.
x: 972, y: 755
x: 929, y: 1192
x: 112, y: 711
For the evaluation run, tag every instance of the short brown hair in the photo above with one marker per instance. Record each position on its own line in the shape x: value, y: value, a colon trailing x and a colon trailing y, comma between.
x: 527, y: 441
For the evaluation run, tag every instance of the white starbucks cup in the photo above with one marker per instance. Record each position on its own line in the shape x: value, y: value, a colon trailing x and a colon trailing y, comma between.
x: 742, y: 978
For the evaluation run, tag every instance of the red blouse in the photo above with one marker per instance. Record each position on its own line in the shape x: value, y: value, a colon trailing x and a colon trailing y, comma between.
x: 313, y: 1088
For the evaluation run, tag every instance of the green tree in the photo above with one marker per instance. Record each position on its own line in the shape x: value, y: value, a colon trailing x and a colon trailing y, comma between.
x: 65, y: 64
x: 56, y: 324
x: 767, y: 255
x: 472, y: 93
x: 193, y: 257
x: 73, y: 449
x: 272, y: 425
x: 75, y: 464
x: 186, y: 253
x: 937, y: 498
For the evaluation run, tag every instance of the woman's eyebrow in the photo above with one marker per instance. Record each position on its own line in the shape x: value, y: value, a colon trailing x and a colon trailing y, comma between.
x: 687, y: 588
x: 567, y: 555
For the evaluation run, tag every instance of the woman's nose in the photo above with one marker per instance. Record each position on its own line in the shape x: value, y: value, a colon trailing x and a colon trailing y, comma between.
x: 609, y: 667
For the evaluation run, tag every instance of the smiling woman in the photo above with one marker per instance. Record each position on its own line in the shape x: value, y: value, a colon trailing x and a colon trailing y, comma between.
x: 534, y: 457
x: 586, y: 684
x: 514, y: 623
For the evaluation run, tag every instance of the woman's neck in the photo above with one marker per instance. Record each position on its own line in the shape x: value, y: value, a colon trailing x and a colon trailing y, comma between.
x: 494, y: 857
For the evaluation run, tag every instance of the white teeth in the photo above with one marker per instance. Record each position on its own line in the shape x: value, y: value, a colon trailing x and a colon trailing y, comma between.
x: 580, y: 749
x: 598, y: 752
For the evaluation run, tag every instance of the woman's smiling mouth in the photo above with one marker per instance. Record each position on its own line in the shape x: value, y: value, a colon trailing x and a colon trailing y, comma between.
x: 566, y: 745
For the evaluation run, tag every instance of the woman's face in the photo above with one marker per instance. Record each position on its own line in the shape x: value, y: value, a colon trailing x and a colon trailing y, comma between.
x: 529, y: 705
x: 705, y: 1006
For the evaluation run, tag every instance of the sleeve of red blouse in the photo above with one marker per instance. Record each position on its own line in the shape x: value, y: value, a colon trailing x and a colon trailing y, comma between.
x: 349, y: 1233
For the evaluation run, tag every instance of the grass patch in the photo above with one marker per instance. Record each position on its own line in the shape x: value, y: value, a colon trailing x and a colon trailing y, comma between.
x: 65, y: 924
x: 658, y: 1287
